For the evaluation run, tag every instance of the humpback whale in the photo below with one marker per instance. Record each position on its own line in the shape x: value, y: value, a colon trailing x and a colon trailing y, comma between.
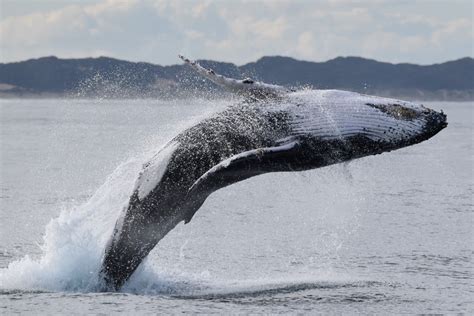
x: 270, y: 129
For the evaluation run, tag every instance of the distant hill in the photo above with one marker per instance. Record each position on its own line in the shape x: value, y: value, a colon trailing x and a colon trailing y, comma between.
x: 112, y: 78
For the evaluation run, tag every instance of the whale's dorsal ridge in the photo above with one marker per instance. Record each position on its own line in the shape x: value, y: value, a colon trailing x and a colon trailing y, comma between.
x: 247, y: 87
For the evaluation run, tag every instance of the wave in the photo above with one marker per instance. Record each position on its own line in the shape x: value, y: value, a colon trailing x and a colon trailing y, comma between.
x: 196, y: 287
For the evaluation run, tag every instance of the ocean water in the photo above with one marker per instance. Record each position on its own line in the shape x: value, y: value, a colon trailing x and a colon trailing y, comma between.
x: 391, y: 233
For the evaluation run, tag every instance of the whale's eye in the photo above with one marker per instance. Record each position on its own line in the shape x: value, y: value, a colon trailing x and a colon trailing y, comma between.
x: 247, y: 81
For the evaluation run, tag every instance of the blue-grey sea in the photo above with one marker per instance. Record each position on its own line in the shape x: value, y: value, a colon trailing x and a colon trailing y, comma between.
x: 391, y: 233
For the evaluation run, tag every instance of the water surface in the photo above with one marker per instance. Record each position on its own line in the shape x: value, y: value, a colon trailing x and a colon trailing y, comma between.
x: 391, y: 233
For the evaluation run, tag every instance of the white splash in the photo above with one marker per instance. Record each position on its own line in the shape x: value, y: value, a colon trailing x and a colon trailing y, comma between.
x: 74, y: 242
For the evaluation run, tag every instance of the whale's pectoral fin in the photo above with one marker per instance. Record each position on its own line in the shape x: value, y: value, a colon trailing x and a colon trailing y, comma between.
x: 247, y: 87
x: 237, y: 168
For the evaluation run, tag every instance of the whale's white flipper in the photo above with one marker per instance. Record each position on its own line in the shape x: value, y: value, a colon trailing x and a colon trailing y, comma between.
x: 246, y: 87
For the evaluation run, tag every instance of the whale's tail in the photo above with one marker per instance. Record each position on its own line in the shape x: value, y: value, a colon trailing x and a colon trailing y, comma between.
x: 247, y: 87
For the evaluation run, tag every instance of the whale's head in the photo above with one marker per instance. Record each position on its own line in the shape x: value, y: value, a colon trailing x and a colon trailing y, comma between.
x: 350, y: 125
x: 412, y: 123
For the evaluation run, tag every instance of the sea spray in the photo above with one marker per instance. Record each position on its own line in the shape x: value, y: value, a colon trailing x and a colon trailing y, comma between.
x: 74, y: 242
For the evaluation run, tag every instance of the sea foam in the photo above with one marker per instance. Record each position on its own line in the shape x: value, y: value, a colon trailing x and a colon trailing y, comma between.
x: 74, y: 242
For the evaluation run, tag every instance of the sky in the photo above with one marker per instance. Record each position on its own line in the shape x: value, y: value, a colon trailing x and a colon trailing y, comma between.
x: 238, y: 31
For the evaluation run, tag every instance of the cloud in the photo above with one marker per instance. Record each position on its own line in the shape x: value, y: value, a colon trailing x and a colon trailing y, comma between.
x: 264, y: 29
x: 242, y: 31
x: 306, y: 44
x: 452, y: 29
